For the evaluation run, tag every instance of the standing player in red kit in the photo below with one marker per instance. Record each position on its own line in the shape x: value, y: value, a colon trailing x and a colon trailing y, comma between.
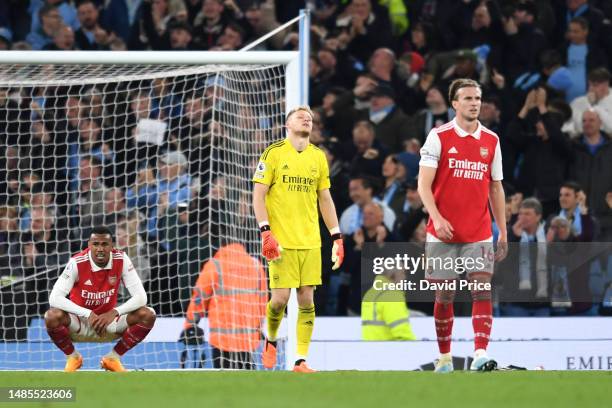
x: 92, y: 278
x: 460, y: 174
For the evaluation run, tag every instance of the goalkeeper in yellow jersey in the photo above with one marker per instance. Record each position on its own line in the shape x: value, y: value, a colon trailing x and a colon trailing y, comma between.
x: 291, y: 176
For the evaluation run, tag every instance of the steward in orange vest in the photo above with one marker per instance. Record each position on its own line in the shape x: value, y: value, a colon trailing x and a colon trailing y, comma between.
x: 232, y: 289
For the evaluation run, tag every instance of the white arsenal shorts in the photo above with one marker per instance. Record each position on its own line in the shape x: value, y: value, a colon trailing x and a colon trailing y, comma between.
x: 446, y: 261
x: 81, y: 330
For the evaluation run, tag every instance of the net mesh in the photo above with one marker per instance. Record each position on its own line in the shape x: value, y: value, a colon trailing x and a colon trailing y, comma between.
x: 161, y: 154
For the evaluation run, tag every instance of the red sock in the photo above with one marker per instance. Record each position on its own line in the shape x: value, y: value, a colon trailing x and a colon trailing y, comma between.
x: 131, y: 337
x: 61, y: 337
x: 444, y: 316
x: 482, y: 320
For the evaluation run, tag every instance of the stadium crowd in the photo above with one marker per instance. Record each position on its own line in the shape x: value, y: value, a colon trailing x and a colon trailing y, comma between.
x: 379, y: 77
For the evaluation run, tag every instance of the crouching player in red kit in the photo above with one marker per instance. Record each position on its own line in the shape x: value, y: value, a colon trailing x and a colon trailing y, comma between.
x: 460, y: 175
x: 92, y: 279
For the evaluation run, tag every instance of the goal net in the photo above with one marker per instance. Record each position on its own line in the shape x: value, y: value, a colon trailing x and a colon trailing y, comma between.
x: 162, y: 154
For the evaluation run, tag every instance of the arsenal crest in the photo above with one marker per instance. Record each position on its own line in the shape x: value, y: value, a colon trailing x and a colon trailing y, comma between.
x: 112, y: 279
x: 484, y: 152
x: 314, y: 171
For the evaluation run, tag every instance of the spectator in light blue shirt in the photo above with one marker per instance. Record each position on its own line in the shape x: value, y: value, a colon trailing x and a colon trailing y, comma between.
x: 582, y: 56
x: 47, y: 17
x: 559, y: 77
x: 173, y: 186
x: 577, y: 51
x: 361, y: 192
x: 50, y: 21
x: 66, y: 10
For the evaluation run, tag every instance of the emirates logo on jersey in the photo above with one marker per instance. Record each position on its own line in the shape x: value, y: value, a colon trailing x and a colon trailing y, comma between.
x: 484, y: 152
x: 468, y: 169
x: 93, y: 299
x: 112, y: 279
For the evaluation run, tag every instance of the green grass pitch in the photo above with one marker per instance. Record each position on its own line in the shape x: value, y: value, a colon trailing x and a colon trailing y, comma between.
x: 176, y: 389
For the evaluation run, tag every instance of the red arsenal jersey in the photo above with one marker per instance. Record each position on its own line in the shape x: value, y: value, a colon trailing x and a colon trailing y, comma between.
x: 466, y: 164
x: 97, y: 288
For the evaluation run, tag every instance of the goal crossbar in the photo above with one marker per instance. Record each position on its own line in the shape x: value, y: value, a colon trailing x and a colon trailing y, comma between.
x: 148, y: 57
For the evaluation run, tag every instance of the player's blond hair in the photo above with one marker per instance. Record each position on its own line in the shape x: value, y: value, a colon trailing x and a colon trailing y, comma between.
x: 457, y: 84
x: 304, y: 108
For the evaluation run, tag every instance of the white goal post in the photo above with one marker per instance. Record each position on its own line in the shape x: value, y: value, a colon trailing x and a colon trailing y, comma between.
x: 243, y: 97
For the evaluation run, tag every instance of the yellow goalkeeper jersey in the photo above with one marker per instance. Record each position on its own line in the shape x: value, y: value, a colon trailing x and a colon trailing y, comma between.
x: 294, y: 178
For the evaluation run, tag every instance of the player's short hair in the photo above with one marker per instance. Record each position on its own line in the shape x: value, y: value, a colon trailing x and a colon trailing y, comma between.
x: 532, y: 203
x: 304, y: 108
x: 572, y: 185
x: 102, y: 230
x: 599, y: 75
x: 457, y: 84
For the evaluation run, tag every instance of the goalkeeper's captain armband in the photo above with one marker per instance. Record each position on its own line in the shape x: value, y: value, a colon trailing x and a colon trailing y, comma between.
x: 270, y: 248
x: 337, y: 256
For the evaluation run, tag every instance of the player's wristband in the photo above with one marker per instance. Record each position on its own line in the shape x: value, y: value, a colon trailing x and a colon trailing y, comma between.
x: 335, y: 233
x: 336, y: 236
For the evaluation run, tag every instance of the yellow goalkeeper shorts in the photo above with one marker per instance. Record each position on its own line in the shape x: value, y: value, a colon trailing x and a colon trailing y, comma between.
x: 296, y: 268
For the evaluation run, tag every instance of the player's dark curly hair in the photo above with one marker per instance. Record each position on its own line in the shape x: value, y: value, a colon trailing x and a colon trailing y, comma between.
x: 102, y: 230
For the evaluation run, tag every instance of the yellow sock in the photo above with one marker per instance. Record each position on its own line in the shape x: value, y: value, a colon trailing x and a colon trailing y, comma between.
x: 305, y: 324
x: 274, y: 320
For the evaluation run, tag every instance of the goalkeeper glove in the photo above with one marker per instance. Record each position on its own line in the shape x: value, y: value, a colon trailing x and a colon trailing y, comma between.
x: 337, y: 250
x: 270, y: 248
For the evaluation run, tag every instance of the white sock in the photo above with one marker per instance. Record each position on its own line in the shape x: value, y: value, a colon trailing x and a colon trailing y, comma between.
x: 113, y: 354
x: 446, y: 356
x: 479, y: 353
